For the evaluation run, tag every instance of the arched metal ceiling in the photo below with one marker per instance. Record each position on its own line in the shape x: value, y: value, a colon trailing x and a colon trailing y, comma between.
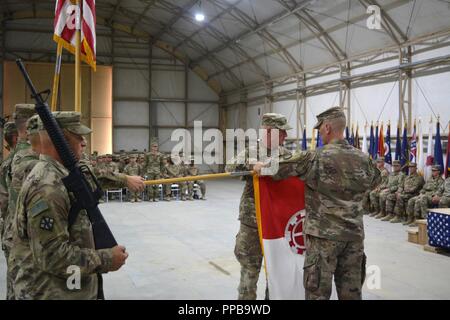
x: 243, y: 42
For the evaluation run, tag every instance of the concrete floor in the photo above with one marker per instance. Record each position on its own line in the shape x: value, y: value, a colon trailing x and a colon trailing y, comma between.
x: 184, y: 250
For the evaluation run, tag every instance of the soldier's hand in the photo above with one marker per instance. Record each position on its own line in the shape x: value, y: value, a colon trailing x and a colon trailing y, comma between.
x: 435, y: 199
x: 257, y: 167
x: 135, y: 183
x: 118, y: 258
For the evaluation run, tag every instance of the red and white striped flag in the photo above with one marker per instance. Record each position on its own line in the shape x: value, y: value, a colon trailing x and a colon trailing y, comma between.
x: 65, y: 25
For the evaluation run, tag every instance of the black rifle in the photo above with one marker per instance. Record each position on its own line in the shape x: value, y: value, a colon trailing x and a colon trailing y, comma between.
x: 76, y: 181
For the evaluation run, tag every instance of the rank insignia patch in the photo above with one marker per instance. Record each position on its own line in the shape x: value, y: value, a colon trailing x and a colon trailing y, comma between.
x: 47, y: 223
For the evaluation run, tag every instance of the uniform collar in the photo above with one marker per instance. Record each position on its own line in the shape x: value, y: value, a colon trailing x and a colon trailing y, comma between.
x: 339, y: 141
x: 59, y: 166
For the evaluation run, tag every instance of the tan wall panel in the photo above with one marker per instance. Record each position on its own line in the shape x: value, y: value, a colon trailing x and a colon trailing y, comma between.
x: 96, y: 94
x: 102, y: 138
x: 13, y: 87
x: 102, y: 87
x: 101, y: 109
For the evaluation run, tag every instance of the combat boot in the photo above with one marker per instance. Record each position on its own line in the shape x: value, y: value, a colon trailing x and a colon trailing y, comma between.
x: 203, y: 198
x: 138, y: 200
x: 408, y: 222
x: 395, y: 220
x: 132, y: 200
x: 387, y: 218
x: 413, y: 223
x: 380, y: 215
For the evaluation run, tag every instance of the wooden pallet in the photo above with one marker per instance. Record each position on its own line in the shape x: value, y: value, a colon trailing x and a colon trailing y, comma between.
x: 429, y: 248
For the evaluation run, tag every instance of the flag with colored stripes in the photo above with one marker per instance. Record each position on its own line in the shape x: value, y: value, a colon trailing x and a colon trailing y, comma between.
x: 280, y: 211
x: 66, y: 23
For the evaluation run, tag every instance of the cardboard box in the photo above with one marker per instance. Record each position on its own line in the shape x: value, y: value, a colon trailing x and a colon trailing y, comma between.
x: 423, y: 232
x: 413, y: 235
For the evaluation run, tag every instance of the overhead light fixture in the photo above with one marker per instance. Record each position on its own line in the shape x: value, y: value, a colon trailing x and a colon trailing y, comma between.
x: 200, y: 17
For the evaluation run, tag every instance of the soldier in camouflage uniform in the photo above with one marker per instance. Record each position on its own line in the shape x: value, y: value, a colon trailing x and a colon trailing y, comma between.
x: 248, y: 249
x: 192, y: 170
x: 391, y: 197
x: 443, y: 196
x: 411, y: 187
x: 418, y: 205
x: 22, y: 112
x: 24, y: 161
x: 152, y: 165
x: 10, y: 135
x: 170, y: 170
x: 115, y: 164
x: 394, y: 181
x: 133, y: 169
x: 374, y: 194
x: 183, y: 172
x: 336, y: 177
x: 45, y: 247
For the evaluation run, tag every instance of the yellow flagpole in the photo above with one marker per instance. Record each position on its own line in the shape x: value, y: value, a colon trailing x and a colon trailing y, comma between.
x: 56, y: 77
x: 78, y: 58
x: 259, y: 219
x: 199, y: 177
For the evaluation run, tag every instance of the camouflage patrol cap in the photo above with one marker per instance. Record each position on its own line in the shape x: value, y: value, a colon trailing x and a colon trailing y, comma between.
x: 330, y: 114
x: 23, y: 111
x: 396, y: 163
x: 33, y: 125
x: 436, y: 167
x: 380, y: 159
x: 275, y: 120
x: 69, y: 120
x: 9, y: 128
x: 154, y: 142
x: 412, y: 165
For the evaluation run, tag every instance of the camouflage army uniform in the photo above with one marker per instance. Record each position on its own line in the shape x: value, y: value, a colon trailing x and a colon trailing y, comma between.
x: 394, y: 181
x: 45, y: 247
x: 444, y: 194
x: 192, y: 170
x: 22, y: 164
x: 375, y: 193
x: 411, y: 187
x: 22, y: 112
x: 133, y: 169
x: 5, y: 181
x: 183, y: 172
x: 248, y: 248
x: 170, y: 170
x: 418, y: 205
x: 5, y: 184
x: 152, y: 165
x: 336, y: 177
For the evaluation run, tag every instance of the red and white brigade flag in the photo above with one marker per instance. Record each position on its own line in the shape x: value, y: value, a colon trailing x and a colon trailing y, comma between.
x: 65, y: 26
x: 280, y: 211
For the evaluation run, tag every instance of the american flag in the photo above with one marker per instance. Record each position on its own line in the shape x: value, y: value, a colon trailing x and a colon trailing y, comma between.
x: 439, y: 229
x: 65, y: 26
